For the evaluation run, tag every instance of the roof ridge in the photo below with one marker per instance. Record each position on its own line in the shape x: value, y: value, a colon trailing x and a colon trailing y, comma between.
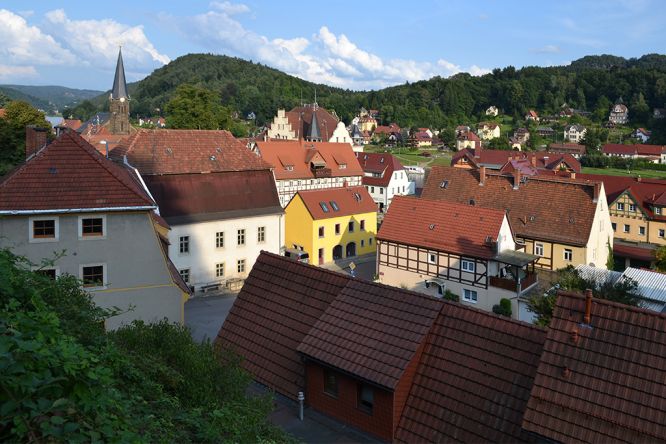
x: 494, y: 315
x: 303, y: 265
x: 576, y: 295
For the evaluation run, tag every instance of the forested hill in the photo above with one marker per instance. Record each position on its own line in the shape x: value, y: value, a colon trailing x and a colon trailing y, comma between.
x: 592, y: 83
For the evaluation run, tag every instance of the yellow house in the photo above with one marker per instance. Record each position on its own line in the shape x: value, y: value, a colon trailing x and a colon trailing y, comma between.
x: 331, y: 224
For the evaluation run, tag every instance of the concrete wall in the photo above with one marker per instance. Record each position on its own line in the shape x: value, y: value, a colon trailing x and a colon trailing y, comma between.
x: 280, y: 128
x: 204, y: 254
x: 136, y: 270
x: 341, y: 135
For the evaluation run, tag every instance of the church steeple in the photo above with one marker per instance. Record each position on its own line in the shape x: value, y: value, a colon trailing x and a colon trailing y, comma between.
x: 119, y: 85
x: 119, y: 100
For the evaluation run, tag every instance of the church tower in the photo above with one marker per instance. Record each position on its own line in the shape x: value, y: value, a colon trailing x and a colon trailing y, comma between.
x: 119, y: 101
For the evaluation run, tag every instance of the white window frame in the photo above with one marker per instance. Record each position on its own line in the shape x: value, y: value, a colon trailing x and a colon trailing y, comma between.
x: 219, y: 236
x: 632, y: 208
x: 92, y: 216
x: 105, y: 282
x: 189, y: 274
x: 34, y: 240
x: 238, y: 237
x: 662, y: 233
x: 538, y: 249
x: 641, y: 231
x: 432, y: 258
x: 218, y: 266
x: 180, y: 242
x: 467, y: 295
x: 570, y: 254
x: 626, y: 228
x: 238, y: 263
x: 620, y: 206
x: 261, y: 235
x: 467, y: 265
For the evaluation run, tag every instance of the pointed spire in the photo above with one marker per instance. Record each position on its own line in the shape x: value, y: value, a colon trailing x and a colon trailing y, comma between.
x: 314, y: 135
x: 119, y: 90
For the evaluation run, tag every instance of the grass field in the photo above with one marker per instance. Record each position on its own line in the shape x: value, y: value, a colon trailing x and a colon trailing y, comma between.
x: 648, y: 174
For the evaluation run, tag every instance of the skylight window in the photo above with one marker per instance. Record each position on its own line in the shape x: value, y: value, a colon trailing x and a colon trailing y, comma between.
x: 334, y: 205
x: 444, y: 184
x: 324, y: 207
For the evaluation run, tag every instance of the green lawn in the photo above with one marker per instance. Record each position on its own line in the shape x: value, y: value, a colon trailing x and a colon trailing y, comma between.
x: 648, y: 174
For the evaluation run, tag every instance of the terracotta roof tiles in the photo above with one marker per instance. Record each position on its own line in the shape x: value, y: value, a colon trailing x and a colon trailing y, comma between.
x: 70, y: 174
x: 379, y: 163
x: 442, y: 226
x: 169, y: 151
x: 349, y: 200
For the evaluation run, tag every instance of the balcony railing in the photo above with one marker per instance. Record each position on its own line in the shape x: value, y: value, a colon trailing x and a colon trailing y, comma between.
x: 511, y: 284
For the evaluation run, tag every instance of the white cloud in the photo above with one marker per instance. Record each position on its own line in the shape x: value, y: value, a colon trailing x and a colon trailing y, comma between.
x: 95, y: 42
x: 548, y: 49
x: 324, y: 57
x: 230, y: 8
x: 25, y: 44
x: 16, y: 73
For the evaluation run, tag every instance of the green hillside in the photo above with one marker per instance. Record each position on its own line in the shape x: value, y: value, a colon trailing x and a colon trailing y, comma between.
x: 56, y: 97
x: 7, y: 94
x: 592, y: 83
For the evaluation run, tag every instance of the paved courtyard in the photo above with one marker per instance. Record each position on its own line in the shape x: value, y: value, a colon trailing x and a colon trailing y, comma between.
x: 204, y: 315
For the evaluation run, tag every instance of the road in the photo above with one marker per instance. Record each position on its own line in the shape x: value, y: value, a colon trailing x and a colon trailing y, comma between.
x: 205, y: 315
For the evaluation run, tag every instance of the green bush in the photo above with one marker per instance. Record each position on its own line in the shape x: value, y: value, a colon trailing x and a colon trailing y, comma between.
x: 65, y: 379
x: 451, y: 296
x: 504, y: 308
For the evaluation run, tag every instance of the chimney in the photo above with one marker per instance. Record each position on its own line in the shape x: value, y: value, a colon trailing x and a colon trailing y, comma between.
x: 482, y: 175
x: 572, y: 174
x: 588, y: 307
x: 533, y: 161
x: 35, y: 139
x: 638, y: 179
x: 516, y: 178
x: 477, y: 149
x: 597, y: 190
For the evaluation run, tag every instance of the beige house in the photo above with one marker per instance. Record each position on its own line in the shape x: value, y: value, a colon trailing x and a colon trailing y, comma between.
x: 564, y: 221
x: 488, y: 130
x: 574, y: 133
x: 492, y: 111
x: 434, y: 246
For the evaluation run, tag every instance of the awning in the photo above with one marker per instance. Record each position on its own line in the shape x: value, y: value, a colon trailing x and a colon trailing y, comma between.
x: 516, y: 258
x: 439, y: 282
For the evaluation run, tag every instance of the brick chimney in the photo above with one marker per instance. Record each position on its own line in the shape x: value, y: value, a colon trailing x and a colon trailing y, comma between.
x: 516, y: 178
x: 533, y: 161
x: 35, y: 139
x: 572, y: 174
x: 482, y: 175
x: 477, y: 149
x: 597, y: 190
x: 588, y: 307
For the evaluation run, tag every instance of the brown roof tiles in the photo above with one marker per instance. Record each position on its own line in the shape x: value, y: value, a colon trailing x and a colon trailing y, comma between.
x: 474, y: 380
x: 379, y: 328
x: 609, y: 385
x: 550, y: 209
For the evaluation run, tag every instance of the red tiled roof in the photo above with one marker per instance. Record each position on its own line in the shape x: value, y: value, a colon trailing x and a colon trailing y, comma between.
x: 184, y: 198
x: 571, y: 148
x: 300, y: 119
x: 490, y: 125
x: 495, y: 159
x: 645, y: 252
x: 606, y: 386
x: 442, y: 226
x: 637, y: 149
x: 383, y: 129
x: 169, y: 151
x: 345, y: 198
x: 70, y: 174
x: 551, y: 209
x: 297, y: 154
x: 371, y: 331
x: 644, y: 192
x: 382, y: 163
x: 74, y: 124
x: 422, y: 135
x: 278, y: 305
x: 474, y: 380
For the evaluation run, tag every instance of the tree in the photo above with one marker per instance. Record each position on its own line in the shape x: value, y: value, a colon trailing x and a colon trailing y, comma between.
x: 624, y: 290
x: 83, y: 111
x: 64, y: 379
x: 194, y: 107
x: 12, y: 132
x: 448, y: 137
x: 660, y: 255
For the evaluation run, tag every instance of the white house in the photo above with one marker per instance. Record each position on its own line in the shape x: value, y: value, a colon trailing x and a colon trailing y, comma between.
x: 218, y: 197
x: 492, y: 111
x: 384, y: 177
x: 574, y: 133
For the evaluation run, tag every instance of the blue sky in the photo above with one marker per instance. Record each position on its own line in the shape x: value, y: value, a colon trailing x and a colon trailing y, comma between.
x: 352, y: 44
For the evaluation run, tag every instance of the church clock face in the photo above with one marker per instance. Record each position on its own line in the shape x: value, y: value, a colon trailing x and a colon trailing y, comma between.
x: 122, y: 99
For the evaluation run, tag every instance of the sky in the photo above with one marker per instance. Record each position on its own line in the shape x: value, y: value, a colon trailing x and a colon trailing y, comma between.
x: 350, y: 44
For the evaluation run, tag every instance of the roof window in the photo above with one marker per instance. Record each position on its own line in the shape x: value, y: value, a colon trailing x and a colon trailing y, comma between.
x: 444, y: 184
x: 334, y: 205
x: 324, y: 207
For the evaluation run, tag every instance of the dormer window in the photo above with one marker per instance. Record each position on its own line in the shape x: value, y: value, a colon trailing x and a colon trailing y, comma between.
x: 289, y: 168
x: 343, y: 166
x: 657, y: 210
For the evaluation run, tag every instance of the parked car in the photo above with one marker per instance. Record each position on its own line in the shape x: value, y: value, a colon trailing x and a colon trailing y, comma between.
x: 297, y: 255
